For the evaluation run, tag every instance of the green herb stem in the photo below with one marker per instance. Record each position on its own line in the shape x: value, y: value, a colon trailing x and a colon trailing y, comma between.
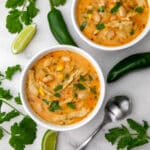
x: 24, y: 5
x: 4, y: 130
x: 12, y: 107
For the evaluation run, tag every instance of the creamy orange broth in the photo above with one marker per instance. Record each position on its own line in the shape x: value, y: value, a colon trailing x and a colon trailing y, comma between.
x: 62, y: 87
x: 112, y: 22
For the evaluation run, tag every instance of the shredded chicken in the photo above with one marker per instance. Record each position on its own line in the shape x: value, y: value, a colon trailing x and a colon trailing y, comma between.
x: 31, y: 83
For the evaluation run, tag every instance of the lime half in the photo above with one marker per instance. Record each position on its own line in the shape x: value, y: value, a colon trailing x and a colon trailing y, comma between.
x: 23, y: 38
x: 49, y: 140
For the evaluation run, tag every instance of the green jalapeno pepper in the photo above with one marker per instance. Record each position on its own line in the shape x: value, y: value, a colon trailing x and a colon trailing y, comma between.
x: 58, y: 26
x: 127, y: 65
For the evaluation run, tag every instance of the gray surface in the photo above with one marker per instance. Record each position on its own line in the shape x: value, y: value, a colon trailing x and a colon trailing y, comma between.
x: 136, y: 85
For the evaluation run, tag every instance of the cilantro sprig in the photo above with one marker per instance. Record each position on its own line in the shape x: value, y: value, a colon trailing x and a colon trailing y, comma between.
x: 24, y: 132
x: 10, y: 71
x: 129, y: 138
x: 21, y: 13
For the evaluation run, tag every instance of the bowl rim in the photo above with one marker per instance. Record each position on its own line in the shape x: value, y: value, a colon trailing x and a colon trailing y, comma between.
x: 102, y: 47
x: 41, y: 121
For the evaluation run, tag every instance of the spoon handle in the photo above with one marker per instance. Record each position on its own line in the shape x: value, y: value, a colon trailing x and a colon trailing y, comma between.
x: 85, y: 143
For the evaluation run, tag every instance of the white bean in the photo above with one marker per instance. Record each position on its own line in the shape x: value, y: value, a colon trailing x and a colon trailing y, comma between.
x: 97, y: 17
x: 66, y: 59
x: 83, y: 94
x: 96, y: 32
x: 48, y: 78
x: 122, y: 11
x: 109, y: 34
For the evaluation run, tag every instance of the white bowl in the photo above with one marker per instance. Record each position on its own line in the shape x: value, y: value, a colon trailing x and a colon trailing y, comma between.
x: 34, y: 116
x: 102, y: 47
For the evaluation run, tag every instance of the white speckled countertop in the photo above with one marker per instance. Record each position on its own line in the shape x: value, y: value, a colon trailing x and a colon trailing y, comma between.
x: 136, y: 85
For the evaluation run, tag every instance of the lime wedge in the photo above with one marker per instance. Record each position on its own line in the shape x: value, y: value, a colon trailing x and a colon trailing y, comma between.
x: 23, y: 38
x: 49, y: 140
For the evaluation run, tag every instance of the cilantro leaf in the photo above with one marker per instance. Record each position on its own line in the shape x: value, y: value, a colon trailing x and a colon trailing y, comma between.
x: 80, y: 86
x: 136, y: 126
x: 29, y: 14
x: 127, y: 138
x: 58, y: 87
x: 116, y: 7
x: 17, y: 18
x: 71, y: 105
x: 58, y: 2
x: 25, y: 18
x: 13, y: 22
x: 83, y: 25
x: 100, y: 26
x: 18, y: 100
x: 54, y: 106
x: 32, y: 10
x: 123, y: 142
x: 11, y: 71
x: 115, y: 133
x: 14, y: 3
x: 137, y: 142
x: 101, y: 8
x: 8, y: 116
x: 57, y: 95
x: 1, y: 133
x: 139, y: 9
x: 93, y: 90
x: 82, y: 78
x: 23, y: 133
x: 5, y: 94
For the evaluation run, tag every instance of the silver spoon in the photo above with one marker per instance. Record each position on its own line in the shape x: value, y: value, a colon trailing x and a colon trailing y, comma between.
x: 117, y: 108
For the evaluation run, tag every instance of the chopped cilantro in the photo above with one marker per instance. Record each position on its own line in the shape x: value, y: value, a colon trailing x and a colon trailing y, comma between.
x: 139, y: 9
x: 75, y: 95
x: 57, y: 94
x: 116, y: 7
x: 46, y: 101
x: 58, y: 87
x: 80, y: 86
x: 93, y: 90
x: 132, y: 32
x: 54, y: 106
x: 101, y: 8
x: 83, y: 26
x: 71, y: 105
x: 82, y: 78
x: 100, y: 26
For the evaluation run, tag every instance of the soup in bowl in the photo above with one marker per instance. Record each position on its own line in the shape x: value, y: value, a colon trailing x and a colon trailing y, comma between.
x: 111, y: 24
x: 62, y: 88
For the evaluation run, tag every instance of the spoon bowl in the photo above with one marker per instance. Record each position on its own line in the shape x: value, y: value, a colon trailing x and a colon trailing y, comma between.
x: 117, y: 108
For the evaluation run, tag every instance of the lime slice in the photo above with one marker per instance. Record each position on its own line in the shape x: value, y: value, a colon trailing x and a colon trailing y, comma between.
x: 23, y: 38
x: 49, y: 140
